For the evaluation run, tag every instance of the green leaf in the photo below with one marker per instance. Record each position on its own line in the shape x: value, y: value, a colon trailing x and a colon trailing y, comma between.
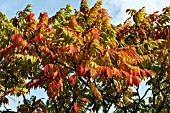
x: 78, y: 29
x: 68, y: 10
x: 33, y: 98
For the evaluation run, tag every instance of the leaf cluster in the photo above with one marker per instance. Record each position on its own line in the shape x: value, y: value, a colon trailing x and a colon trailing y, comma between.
x: 85, y: 63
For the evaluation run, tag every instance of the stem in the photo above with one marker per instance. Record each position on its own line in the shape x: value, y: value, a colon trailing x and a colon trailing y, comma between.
x: 55, y: 105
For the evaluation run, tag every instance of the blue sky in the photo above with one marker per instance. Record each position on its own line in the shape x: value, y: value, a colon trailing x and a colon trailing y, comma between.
x: 116, y: 9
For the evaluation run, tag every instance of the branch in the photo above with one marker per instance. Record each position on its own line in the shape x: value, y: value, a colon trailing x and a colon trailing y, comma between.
x: 74, y: 100
x: 161, y: 105
x: 55, y: 105
x: 109, y: 108
x: 145, y: 93
x: 112, y: 102
x: 83, y: 81
x: 64, y: 65
x: 140, y: 99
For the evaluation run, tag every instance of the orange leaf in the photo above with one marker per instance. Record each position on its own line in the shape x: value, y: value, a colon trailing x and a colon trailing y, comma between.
x: 143, y: 74
x: 24, y: 43
x: 155, y: 14
x: 130, y: 81
x: 76, y: 107
x: 136, y: 71
x: 95, y: 31
x: 126, y: 73
x: 85, y: 100
x: 150, y: 72
x: 117, y: 72
x: 54, y: 74
x: 71, y: 49
x: 73, y: 22
x: 109, y: 72
x: 92, y: 72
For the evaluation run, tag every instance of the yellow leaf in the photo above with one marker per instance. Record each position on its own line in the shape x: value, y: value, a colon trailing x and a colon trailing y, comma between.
x: 161, y: 60
x: 127, y: 100
x: 95, y: 91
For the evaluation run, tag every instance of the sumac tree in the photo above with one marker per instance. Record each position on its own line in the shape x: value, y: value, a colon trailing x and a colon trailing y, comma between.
x: 84, y: 62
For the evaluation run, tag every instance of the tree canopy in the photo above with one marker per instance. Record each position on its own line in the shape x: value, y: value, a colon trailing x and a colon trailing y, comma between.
x: 84, y: 62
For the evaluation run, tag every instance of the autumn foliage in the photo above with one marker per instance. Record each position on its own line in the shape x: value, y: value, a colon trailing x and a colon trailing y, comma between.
x: 84, y: 62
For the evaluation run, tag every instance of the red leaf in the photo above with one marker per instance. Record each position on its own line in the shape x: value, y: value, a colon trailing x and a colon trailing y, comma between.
x: 110, y: 51
x: 34, y: 83
x: 46, y: 13
x: 44, y: 18
x: 50, y: 87
x: 103, y: 53
x: 30, y: 17
x: 126, y: 73
x: 45, y: 49
x: 109, y: 72
x: 71, y: 79
x: 7, y: 50
x: 17, y: 39
x: 13, y: 37
x: 119, y: 35
x: 85, y: 32
x: 61, y: 47
x: 76, y: 34
x: 76, y: 107
x: 136, y: 80
x: 40, y: 37
x: 80, y: 70
x: 56, y: 84
x: 102, y: 71
x: 131, y: 72
x: 52, y: 68
x: 46, y: 68
x: 135, y: 71
x: 15, y: 21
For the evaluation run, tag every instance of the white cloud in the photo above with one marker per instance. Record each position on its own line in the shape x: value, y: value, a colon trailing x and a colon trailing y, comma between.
x: 117, y: 8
